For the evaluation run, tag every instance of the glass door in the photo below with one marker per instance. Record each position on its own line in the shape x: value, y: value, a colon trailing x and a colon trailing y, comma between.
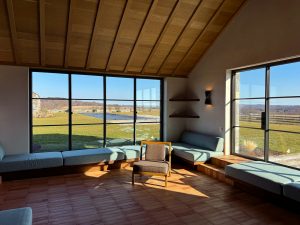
x: 249, y: 113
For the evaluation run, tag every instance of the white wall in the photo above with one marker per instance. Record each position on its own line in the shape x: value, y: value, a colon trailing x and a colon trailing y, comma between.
x: 261, y: 31
x: 173, y: 127
x: 14, y: 125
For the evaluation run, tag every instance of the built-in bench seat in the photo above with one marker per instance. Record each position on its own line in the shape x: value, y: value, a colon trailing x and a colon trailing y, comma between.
x: 91, y: 156
x: 292, y: 191
x: 131, y: 151
x: 24, y: 162
x: 267, y: 176
x: 21, y: 162
x: 197, y: 148
x: 19, y: 216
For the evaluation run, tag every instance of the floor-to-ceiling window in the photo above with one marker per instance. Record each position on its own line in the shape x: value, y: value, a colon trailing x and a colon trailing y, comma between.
x: 266, y: 113
x: 87, y: 111
x: 119, y: 111
x: 80, y: 111
x: 50, y: 112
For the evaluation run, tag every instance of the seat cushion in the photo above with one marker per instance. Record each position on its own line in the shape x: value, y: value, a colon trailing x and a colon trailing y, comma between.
x: 20, y: 216
x: 150, y: 166
x: 11, y: 163
x: 131, y: 151
x: 193, y: 153
x: 155, y: 152
x: 2, y: 152
x: 115, y: 154
x: 264, y: 175
x: 292, y: 191
x: 203, y: 141
x: 89, y: 156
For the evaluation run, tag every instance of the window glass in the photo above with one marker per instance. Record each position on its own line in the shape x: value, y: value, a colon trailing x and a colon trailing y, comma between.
x: 50, y: 85
x: 87, y: 87
x: 250, y: 83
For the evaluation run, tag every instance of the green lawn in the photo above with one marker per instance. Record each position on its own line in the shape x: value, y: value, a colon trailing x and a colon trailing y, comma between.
x: 55, y: 138
x: 252, y: 140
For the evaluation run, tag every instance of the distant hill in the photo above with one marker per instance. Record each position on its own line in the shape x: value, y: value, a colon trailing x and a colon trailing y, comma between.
x: 275, y: 109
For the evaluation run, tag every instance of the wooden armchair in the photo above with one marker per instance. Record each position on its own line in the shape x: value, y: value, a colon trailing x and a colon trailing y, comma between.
x: 155, y: 163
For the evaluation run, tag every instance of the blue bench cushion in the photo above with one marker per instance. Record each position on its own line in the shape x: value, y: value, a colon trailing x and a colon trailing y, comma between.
x: 131, y: 151
x: 90, y: 156
x: 2, y: 152
x: 265, y: 175
x: 20, y: 216
x: 292, y: 191
x: 11, y: 163
x: 204, y: 141
x: 193, y: 153
x: 115, y: 154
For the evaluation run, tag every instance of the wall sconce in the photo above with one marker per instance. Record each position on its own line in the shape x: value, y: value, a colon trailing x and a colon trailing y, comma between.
x: 208, y: 97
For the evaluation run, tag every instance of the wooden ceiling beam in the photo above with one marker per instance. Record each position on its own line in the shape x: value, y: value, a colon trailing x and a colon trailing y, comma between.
x: 93, y: 38
x: 218, y: 10
x: 42, y: 31
x: 13, y: 29
x: 187, y: 25
x: 117, y: 36
x: 137, y: 41
x: 68, y: 35
x: 167, y: 24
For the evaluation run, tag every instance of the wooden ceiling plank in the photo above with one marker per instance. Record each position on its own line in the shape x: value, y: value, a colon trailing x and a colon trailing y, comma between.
x: 187, y: 25
x: 42, y: 31
x: 167, y: 24
x: 137, y: 41
x: 117, y: 36
x: 68, y: 35
x: 13, y: 29
x: 223, y: 27
x: 93, y: 38
x: 218, y: 10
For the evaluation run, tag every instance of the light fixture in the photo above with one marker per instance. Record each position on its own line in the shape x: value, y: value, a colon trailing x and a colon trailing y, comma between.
x: 208, y: 97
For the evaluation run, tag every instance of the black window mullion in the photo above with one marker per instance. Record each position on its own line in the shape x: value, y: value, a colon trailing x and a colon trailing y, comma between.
x: 232, y: 117
x: 104, y: 111
x: 267, y: 110
x: 30, y: 112
x: 161, y: 110
x: 70, y: 112
x: 134, y: 111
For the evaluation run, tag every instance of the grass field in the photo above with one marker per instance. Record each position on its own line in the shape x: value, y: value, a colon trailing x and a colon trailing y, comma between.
x: 55, y: 138
x: 252, y: 140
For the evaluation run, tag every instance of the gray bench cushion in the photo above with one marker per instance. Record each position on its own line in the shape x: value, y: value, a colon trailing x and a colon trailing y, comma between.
x: 265, y: 175
x: 150, y: 166
x: 292, y: 191
x: 11, y: 163
x: 203, y: 141
x: 193, y: 153
x: 90, y: 156
x: 20, y: 216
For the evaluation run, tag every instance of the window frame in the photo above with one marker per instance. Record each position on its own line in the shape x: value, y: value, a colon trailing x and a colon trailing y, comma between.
x: 266, y: 98
x: 69, y: 99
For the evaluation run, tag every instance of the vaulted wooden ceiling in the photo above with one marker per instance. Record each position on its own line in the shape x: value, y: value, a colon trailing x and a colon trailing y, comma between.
x: 151, y: 37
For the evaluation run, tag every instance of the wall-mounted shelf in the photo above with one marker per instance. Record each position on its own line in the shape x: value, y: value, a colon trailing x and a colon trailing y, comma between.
x: 184, y: 99
x: 183, y: 116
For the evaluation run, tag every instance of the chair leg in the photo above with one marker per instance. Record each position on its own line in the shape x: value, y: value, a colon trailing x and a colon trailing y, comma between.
x: 0, y: 179
x: 169, y: 173
x: 132, y: 179
x: 166, y: 180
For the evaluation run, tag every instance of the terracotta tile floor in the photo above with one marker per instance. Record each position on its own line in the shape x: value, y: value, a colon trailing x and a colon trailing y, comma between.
x: 109, y: 198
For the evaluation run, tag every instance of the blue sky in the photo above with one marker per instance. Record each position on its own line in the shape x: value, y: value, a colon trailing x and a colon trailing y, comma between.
x: 91, y: 87
x: 284, y: 81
